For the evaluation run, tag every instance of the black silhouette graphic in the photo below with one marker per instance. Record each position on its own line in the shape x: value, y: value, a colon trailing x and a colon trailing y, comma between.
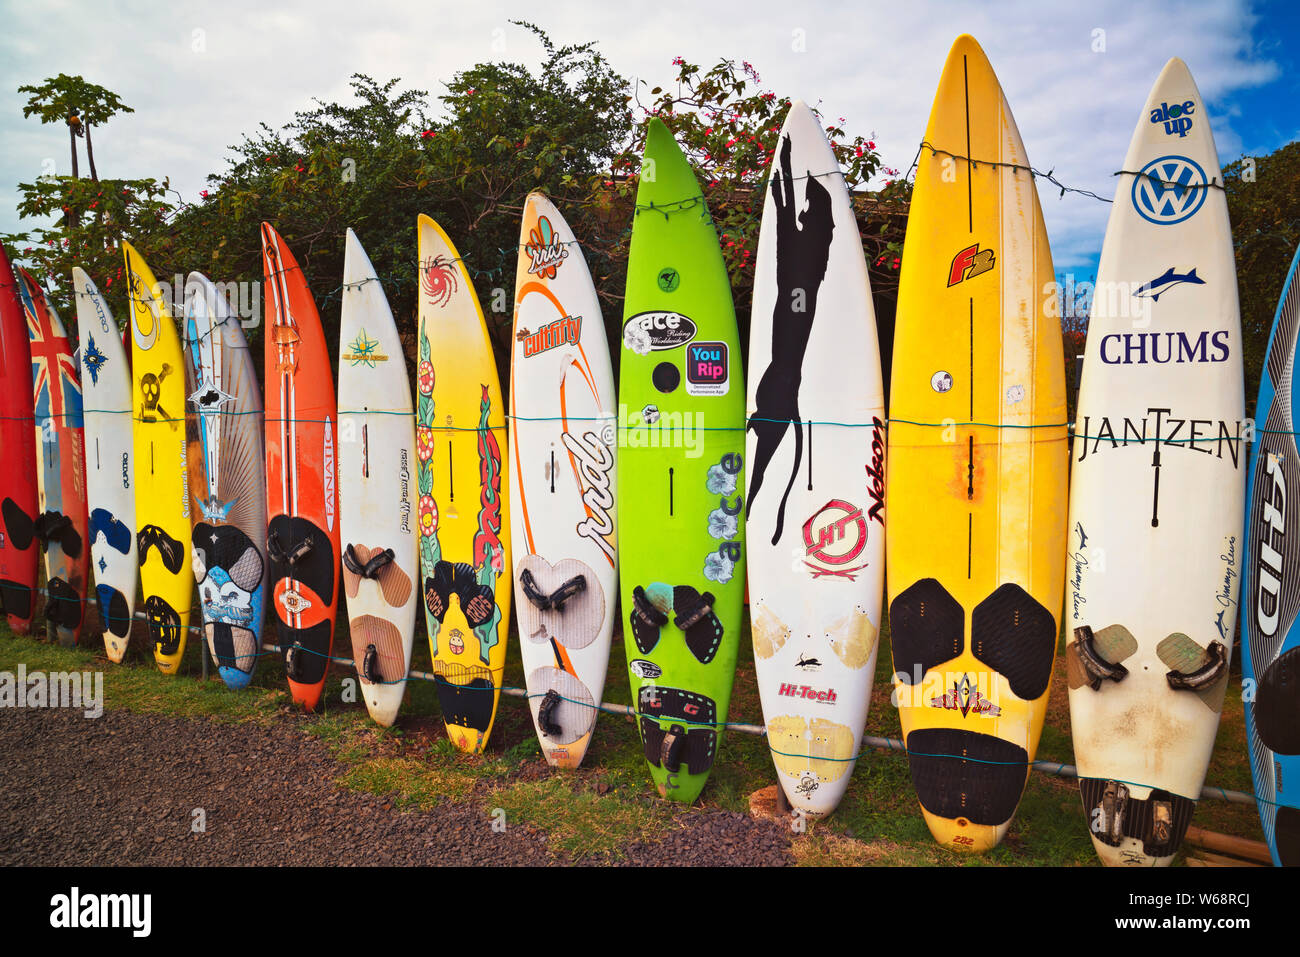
x: 803, y: 243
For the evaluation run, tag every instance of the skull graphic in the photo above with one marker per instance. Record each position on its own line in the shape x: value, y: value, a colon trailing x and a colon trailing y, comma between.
x: 151, y: 394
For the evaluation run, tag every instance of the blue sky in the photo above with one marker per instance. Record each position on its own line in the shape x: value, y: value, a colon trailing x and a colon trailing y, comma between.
x: 876, y: 64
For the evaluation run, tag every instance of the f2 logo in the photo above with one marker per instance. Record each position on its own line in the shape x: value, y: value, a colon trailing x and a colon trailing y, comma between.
x: 969, y: 263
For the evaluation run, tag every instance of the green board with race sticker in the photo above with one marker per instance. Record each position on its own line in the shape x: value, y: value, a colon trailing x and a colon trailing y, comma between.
x: 681, y: 474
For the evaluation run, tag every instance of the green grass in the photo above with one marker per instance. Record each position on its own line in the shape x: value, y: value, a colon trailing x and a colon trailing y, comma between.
x: 596, y: 812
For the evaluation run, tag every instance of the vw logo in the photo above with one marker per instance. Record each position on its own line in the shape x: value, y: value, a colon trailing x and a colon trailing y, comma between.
x: 1169, y: 190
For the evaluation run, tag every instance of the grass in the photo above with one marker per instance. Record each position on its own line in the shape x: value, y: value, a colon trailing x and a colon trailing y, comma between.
x: 593, y: 814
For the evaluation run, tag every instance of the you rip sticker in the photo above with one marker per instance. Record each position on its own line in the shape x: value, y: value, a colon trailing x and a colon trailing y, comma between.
x: 708, y: 368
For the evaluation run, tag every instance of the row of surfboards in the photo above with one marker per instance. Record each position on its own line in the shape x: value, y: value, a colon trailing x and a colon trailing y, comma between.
x: 414, y: 501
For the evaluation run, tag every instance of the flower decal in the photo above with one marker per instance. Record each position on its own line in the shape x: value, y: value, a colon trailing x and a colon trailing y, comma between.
x: 424, y: 443
x: 637, y: 339
x: 722, y: 525
x: 428, y: 515
x: 718, y: 568
x: 425, y: 373
x: 720, y: 481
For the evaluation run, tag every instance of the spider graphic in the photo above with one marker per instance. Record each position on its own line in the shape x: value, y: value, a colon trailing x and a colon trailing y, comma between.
x: 438, y: 279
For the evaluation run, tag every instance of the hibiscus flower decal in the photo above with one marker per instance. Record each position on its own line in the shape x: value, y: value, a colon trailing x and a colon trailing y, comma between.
x: 636, y: 339
x: 718, y: 568
x: 722, y: 525
x: 720, y: 481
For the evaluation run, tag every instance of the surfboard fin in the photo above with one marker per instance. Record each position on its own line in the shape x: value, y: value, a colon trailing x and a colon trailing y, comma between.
x: 1097, y: 668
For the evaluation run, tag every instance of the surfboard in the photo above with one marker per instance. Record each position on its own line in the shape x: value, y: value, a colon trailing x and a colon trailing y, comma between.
x: 18, y: 482
x: 162, y: 497
x: 563, y: 477
x: 1157, y: 494
x: 110, y: 472
x: 815, y: 507
x: 225, y: 432
x: 1270, y: 650
x: 62, y: 526
x: 302, y: 537
x: 681, y: 487
x: 976, y: 465
x: 463, y: 509
x: 376, y: 487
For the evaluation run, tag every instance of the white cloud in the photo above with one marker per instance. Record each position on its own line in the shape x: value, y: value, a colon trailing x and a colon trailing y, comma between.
x: 876, y: 65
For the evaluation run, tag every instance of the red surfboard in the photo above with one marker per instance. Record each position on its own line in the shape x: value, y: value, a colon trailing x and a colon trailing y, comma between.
x: 302, y: 534
x: 18, y: 500
x: 62, y: 526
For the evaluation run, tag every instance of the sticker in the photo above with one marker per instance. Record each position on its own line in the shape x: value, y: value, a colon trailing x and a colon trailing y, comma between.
x: 708, y: 369
x: 648, y: 332
x: 544, y: 249
x: 650, y: 414
x: 969, y: 263
x: 1169, y: 190
x: 564, y: 331
x: 645, y: 669
x: 834, y: 536
x: 966, y: 697
x: 364, y: 351
x: 93, y: 360
x: 1169, y: 279
x: 941, y: 381
x: 807, y: 693
x: 808, y: 663
x: 1015, y: 393
x: 1176, y: 117
x: 669, y: 279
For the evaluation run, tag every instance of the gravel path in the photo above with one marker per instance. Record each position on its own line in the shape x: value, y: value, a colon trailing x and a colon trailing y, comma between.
x: 122, y: 789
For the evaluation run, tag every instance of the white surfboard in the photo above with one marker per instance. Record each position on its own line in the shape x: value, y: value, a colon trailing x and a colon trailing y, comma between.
x: 1157, y: 489
x: 562, y: 460
x: 815, y: 446
x: 376, y: 487
x: 226, y: 462
x: 110, y: 477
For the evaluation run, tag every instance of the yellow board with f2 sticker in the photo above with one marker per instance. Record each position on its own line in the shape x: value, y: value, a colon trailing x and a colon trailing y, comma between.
x: 162, y: 501
x: 464, y: 521
x: 976, y: 465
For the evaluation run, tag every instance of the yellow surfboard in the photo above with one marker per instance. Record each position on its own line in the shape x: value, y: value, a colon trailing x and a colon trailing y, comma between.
x: 463, y: 515
x: 976, y: 465
x: 162, y: 498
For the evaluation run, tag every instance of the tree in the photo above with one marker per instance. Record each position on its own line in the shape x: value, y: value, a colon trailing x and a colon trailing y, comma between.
x: 80, y: 104
x: 1264, y: 208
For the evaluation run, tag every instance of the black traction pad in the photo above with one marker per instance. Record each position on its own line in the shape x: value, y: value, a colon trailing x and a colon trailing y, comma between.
x: 15, y: 599
x: 164, y: 624
x: 116, y: 535
x: 1286, y: 835
x: 1138, y: 817
x: 925, y: 627
x: 697, y: 714
x: 965, y: 774
x: 170, y: 550
x: 467, y: 706
x: 113, y: 611
x: 312, y: 657
x: 702, y: 629
x: 1015, y: 636
x: 64, y: 604
x: 20, y: 527
x: 646, y: 621
x: 229, y: 548
x: 1277, y: 704
x: 317, y: 568
x: 477, y: 602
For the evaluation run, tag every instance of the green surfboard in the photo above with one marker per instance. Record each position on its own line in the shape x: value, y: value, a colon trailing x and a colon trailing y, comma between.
x: 681, y: 480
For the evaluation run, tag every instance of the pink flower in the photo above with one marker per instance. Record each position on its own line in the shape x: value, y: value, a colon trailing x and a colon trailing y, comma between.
x: 425, y: 373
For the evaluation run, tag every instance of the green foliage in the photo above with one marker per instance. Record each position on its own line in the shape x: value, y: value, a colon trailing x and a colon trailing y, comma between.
x: 1264, y: 208
x: 54, y: 100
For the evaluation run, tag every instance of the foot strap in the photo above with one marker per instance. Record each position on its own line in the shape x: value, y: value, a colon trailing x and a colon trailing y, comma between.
x: 556, y: 599
x: 1095, y: 666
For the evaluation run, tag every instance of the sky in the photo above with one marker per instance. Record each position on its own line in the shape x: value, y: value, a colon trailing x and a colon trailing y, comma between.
x: 200, y: 75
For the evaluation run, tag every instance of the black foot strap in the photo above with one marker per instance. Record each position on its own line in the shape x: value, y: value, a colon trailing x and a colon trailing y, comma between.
x: 546, y: 713
x: 646, y: 621
x: 696, y: 619
x: 1095, y: 666
x: 1205, y: 677
x: 556, y: 599
x: 368, y: 569
x: 370, y: 666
